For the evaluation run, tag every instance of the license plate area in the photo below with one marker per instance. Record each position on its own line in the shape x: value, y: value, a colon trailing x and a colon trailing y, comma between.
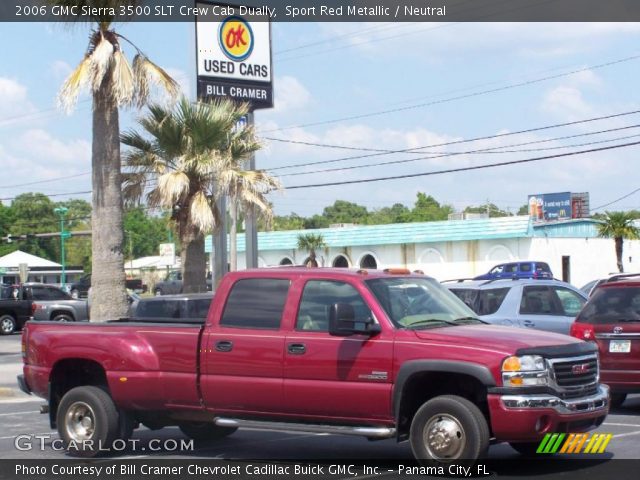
x: 620, y: 346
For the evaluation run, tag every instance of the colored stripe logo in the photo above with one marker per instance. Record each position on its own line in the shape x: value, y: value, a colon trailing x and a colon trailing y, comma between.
x: 574, y: 443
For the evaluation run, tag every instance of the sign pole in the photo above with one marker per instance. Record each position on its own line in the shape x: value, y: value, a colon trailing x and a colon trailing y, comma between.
x: 220, y: 262
x: 251, y: 227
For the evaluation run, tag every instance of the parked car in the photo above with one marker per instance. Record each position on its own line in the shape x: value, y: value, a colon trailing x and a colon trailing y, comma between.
x: 193, y: 306
x: 52, y: 303
x: 14, y: 312
x: 611, y: 319
x: 549, y: 305
x: 590, y: 287
x: 367, y: 353
x: 80, y: 289
x: 172, y: 284
x: 518, y: 270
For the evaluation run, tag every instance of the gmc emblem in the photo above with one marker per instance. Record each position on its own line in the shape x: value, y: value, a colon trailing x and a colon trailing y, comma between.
x: 580, y: 369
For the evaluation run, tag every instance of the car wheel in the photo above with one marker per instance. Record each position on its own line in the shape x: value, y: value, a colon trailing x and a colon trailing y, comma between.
x: 7, y: 324
x: 447, y: 429
x: 205, y: 431
x: 88, y: 421
x: 157, y: 292
x: 63, y: 317
x: 617, y: 399
x: 526, y: 449
x: 75, y: 294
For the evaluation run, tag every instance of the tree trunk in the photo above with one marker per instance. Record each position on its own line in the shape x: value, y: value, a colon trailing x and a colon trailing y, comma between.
x: 619, y: 241
x: 194, y: 261
x: 233, y: 235
x: 108, y: 294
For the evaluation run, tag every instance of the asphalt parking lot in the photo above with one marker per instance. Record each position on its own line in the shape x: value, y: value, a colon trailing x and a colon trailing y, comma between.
x: 25, y: 434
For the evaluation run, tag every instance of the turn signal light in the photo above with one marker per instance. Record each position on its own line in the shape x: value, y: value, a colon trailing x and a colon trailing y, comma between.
x: 397, y: 271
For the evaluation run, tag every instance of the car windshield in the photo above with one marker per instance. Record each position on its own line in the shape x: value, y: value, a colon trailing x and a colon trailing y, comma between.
x: 420, y: 303
x: 612, y: 305
x: 483, y: 302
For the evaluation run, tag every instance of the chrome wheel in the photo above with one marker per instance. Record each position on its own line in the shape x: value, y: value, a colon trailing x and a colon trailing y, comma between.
x: 7, y: 325
x: 444, y: 437
x: 80, y: 422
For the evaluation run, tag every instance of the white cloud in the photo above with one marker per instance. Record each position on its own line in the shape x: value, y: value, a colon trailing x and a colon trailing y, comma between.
x: 290, y: 94
x: 567, y: 103
x: 13, y: 100
x: 60, y: 69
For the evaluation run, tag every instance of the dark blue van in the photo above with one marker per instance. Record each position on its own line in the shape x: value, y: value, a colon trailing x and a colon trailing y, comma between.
x: 526, y: 269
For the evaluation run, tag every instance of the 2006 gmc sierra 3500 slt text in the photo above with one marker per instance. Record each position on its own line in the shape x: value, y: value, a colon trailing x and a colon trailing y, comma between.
x: 379, y: 354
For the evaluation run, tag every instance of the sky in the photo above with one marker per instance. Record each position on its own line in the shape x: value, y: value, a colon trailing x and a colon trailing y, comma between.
x: 445, y: 82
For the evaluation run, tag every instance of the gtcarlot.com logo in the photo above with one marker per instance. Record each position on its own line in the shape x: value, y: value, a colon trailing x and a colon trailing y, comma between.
x: 574, y: 443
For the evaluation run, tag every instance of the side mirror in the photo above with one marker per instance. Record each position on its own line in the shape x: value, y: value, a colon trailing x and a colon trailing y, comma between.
x: 342, y: 322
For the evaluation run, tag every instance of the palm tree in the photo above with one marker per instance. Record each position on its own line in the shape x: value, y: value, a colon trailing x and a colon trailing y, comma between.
x: 189, y: 162
x: 311, y: 242
x: 113, y: 83
x: 619, y: 226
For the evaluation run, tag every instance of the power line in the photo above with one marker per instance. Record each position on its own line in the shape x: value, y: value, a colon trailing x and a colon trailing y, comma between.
x: 46, y: 181
x: 450, y: 99
x: 616, y: 200
x: 462, y: 169
x: 457, y: 142
x: 485, y: 150
x: 51, y: 195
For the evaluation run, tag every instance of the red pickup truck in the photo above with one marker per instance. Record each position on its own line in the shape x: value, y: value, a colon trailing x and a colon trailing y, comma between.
x: 377, y: 354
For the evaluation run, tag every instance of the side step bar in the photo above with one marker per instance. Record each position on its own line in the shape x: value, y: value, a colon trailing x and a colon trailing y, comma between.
x: 370, y: 432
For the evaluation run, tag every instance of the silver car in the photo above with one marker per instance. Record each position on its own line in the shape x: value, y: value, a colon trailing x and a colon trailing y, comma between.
x: 549, y: 305
x: 53, y: 303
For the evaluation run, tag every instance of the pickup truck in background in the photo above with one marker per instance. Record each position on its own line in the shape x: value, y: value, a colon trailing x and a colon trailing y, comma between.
x: 52, y: 303
x: 14, y: 312
x: 172, y: 284
x: 377, y: 354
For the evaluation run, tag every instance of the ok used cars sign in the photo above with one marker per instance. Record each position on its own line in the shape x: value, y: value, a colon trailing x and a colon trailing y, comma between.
x: 234, y: 54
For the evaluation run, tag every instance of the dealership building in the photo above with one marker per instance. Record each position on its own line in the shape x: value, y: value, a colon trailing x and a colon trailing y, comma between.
x: 455, y: 248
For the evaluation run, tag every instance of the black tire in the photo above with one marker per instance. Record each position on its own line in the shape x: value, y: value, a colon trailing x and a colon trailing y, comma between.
x: 87, y: 438
x: 7, y: 324
x: 526, y: 449
x: 457, y: 428
x: 205, y: 431
x: 126, y: 425
x: 63, y: 317
x: 617, y: 399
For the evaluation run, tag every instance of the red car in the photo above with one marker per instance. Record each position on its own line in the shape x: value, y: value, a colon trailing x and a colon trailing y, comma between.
x: 611, y: 319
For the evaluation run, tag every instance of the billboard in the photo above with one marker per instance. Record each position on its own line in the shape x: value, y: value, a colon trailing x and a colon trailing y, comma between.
x: 233, y: 55
x: 558, y: 206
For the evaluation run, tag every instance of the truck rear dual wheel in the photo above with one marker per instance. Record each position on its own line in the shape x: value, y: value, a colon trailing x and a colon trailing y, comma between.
x: 205, y: 431
x: 448, y: 428
x: 88, y: 421
x: 7, y: 324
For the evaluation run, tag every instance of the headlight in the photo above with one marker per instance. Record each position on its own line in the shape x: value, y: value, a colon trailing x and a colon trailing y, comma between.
x: 527, y: 370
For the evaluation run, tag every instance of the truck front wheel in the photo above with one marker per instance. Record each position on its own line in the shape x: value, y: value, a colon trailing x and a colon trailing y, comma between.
x: 88, y: 421
x: 448, y: 428
x: 7, y: 324
x: 205, y: 431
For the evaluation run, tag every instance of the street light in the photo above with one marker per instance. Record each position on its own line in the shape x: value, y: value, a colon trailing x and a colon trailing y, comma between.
x: 62, y: 212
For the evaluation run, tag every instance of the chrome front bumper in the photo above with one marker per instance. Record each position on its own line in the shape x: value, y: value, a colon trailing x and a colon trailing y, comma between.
x: 597, y: 401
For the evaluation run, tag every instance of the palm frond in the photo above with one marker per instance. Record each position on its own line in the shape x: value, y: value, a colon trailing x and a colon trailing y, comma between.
x: 201, y: 214
x: 78, y: 79
x: 123, y: 81
x: 101, y: 59
x: 147, y: 73
x: 173, y: 186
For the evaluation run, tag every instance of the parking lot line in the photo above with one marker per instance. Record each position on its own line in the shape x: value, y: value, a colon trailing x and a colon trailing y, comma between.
x: 622, y: 424
x: 627, y: 434
x: 17, y: 413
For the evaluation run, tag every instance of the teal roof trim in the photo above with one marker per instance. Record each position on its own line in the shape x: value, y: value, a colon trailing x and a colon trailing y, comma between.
x: 577, y: 228
x: 397, y: 233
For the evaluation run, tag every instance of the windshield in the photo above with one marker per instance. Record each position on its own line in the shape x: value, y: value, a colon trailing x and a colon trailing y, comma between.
x: 612, y: 305
x: 420, y: 303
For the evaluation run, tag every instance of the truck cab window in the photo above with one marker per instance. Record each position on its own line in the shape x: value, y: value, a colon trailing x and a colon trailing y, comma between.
x: 256, y: 303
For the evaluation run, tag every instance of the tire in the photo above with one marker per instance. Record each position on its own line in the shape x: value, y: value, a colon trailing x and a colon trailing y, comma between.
x: 126, y: 425
x: 7, y: 324
x: 205, y: 431
x: 526, y: 449
x: 63, y: 317
x: 448, y: 429
x: 75, y: 294
x: 617, y: 399
x: 82, y: 437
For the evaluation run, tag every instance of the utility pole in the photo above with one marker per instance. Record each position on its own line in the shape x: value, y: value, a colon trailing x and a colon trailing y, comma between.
x: 62, y: 213
x: 251, y: 224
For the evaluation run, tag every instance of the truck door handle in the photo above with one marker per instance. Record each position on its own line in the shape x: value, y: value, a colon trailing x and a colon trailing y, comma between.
x: 224, y: 346
x: 296, y: 348
x: 528, y: 323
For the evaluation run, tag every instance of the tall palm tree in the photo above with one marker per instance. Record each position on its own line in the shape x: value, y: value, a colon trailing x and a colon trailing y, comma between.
x: 185, y: 167
x: 311, y: 242
x: 113, y: 83
x: 619, y: 226
x: 246, y: 189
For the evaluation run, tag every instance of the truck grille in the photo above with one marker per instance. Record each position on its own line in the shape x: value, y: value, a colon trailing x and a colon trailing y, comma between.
x: 575, y: 374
